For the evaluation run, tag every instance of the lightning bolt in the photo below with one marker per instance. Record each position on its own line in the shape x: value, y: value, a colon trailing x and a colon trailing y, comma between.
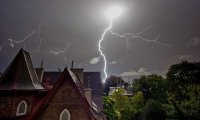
x: 14, y: 42
x: 101, y: 52
x: 61, y: 51
x: 40, y: 39
x: 126, y: 36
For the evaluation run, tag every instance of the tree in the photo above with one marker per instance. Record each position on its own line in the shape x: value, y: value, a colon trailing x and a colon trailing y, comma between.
x: 122, y: 104
x: 186, y: 108
x: 137, y: 100
x: 180, y: 76
x: 183, y: 90
x: 154, y: 111
x: 108, y: 106
x: 185, y: 72
x: 137, y: 104
x: 120, y: 100
x: 152, y: 86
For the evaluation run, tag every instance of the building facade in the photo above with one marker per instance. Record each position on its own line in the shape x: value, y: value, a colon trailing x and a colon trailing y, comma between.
x: 27, y: 93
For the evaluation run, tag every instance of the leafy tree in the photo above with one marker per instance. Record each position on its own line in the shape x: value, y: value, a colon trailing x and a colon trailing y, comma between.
x: 110, y: 112
x: 186, y: 108
x: 183, y: 91
x: 152, y: 86
x: 137, y: 100
x: 177, y: 97
x: 185, y: 72
x: 154, y: 111
x: 120, y: 100
x: 137, y: 104
x: 122, y: 104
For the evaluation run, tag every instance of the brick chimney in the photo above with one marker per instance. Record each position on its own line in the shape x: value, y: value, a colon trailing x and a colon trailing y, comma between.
x: 40, y: 72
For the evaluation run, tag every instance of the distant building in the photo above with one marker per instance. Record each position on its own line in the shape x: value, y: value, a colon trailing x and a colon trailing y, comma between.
x: 128, y: 90
x: 32, y: 94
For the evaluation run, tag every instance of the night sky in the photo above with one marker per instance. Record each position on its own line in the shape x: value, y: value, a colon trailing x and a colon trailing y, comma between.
x: 73, y: 28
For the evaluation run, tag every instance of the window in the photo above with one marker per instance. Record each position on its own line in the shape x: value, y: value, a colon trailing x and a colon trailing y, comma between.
x: 65, y: 115
x: 21, y: 108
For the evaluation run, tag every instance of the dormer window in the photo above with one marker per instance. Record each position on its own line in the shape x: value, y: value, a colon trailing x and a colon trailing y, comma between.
x: 21, y: 108
x: 65, y: 115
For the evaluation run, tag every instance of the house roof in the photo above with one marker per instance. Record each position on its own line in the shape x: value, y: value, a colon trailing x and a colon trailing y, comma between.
x: 113, y: 90
x: 20, y: 74
x: 67, y: 74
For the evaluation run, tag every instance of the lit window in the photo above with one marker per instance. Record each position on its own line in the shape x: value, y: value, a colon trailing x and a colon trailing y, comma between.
x: 65, y: 115
x: 21, y: 108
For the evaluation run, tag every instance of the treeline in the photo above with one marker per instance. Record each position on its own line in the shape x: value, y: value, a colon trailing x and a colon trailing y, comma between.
x: 176, y: 97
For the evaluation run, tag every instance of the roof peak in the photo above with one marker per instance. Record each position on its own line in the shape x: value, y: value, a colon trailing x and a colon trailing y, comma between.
x: 20, y: 74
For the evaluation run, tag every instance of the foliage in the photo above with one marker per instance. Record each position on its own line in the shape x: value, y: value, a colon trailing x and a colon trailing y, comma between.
x: 137, y: 100
x: 183, y: 91
x: 110, y: 112
x: 186, y: 108
x: 137, y: 104
x: 175, y: 98
x: 185, y: 72
x: 153, y: 87
x: 154, y: 111
x: 122, y: 103
x: 120, y: 100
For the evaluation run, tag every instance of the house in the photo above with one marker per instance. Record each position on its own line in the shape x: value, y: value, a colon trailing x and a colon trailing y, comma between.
x: 127, y: 90
x: 27, y: 93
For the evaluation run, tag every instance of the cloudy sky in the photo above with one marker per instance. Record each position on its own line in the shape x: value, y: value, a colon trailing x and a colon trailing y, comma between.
x: 59, y: 31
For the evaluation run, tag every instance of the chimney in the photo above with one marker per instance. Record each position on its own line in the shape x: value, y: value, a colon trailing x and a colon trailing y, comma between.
x: 40, y: 72
x: 88, y: 92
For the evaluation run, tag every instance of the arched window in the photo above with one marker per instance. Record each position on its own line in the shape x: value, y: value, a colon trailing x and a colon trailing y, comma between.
x: 65, y: 115
x: 21, y: 108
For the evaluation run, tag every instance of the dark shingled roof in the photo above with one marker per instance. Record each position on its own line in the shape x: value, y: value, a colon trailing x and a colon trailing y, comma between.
x: 20, y: 74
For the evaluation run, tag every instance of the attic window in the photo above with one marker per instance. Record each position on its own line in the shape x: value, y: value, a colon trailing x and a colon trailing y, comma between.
x: 21, y: 108
x: 65, y: 115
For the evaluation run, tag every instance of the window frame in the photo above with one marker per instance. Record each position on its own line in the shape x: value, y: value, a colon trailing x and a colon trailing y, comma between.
x: 67, y: 111
x: 25, y: 109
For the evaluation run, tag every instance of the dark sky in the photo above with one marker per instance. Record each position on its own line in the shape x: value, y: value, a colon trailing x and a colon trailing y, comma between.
x: 76, y: 26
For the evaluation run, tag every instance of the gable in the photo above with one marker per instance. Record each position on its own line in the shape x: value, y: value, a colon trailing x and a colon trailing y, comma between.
x: 20, y: 74
x: 66, y: 94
